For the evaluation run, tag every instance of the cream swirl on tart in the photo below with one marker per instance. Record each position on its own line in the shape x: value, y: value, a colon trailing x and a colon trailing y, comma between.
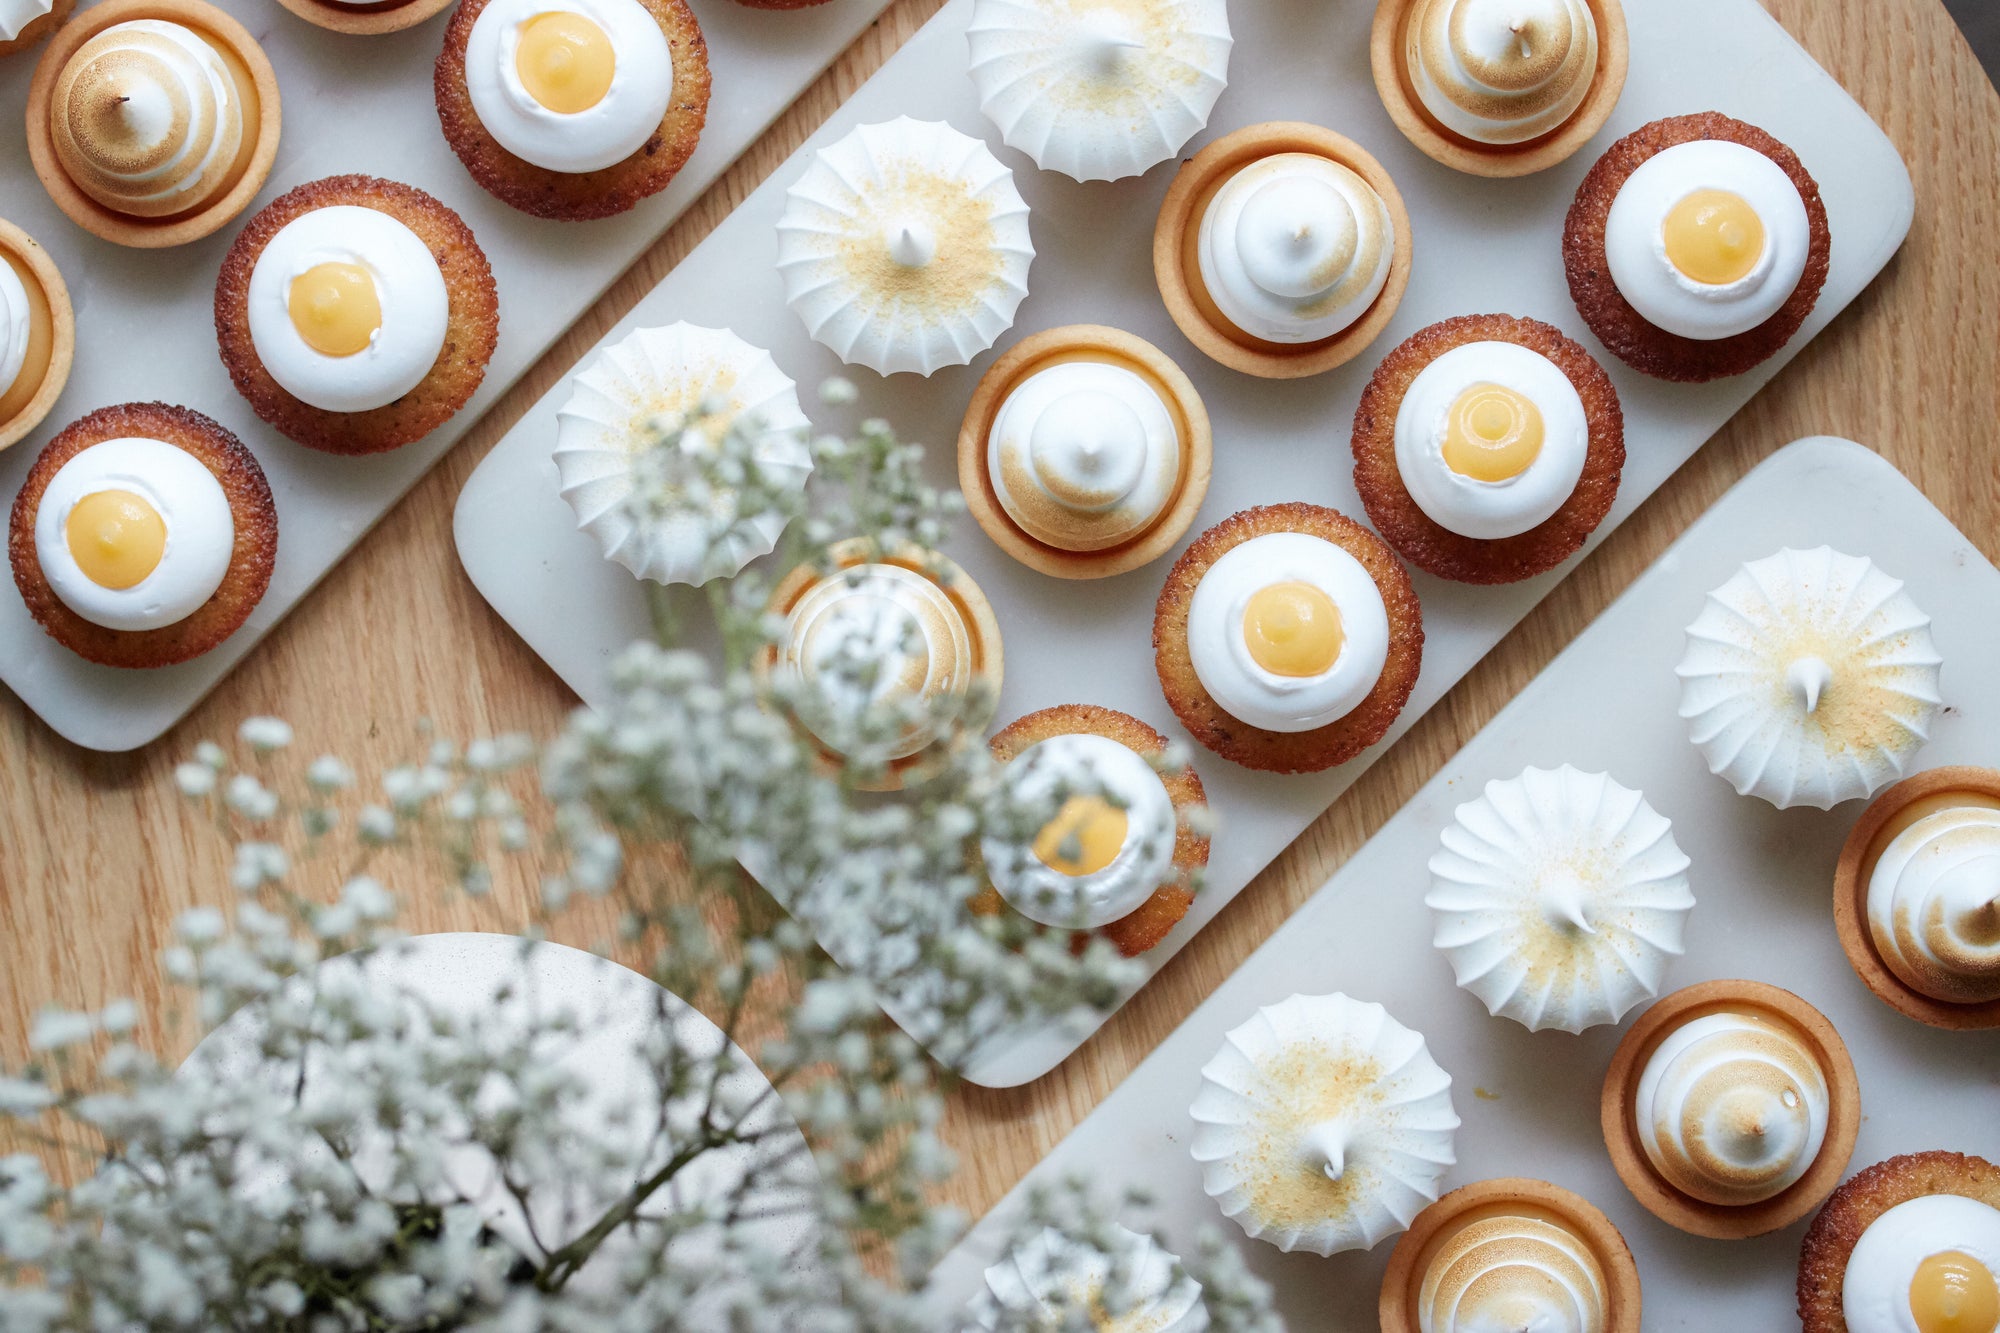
x: 134, y: 534
x: 1099, y: 89
x: 569, y: 85
x: 1502, y: 71
x: 1559, y: 898
x: 1085, y: 455
x: 1928, y: 1265
x: 1108, y: 845
x: 347, y: 308
x: 1934, y: 905
x: 1707, y: 239
x: 1323, y: 1124
x: 1810, y: 678
x: 608, y: 441
x: 1051, y: 1277
x: 1295, y: 247
x: 1732, y: 1108
x: 148, y: 119
x: 1491, y: 439
x: 1288, y: 632
x: 1511, y: 1272
x: 16, y: 330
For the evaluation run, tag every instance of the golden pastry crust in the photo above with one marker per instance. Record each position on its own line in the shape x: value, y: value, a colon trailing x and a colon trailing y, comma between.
x: 250, y: 563
x: 578, y: 196
x: 1305, y: 751
x: 472, y: 329
x: 1134, y: 934
x: 1834, y: 1233
x: 1625, y: 331
x: 1429, y: 545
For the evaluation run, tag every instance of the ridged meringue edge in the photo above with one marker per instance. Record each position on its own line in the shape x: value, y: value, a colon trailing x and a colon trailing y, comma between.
x: 1165, y: 1298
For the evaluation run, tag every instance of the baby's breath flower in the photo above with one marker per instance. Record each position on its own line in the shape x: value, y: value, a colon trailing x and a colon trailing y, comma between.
x: 329, y: 774
x: 249, y: 798
x: 265, y: 734
x: 56, y: 1029
x: 194, y: 780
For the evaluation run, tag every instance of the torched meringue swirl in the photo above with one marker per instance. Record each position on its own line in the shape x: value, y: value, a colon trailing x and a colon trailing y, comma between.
x: 1510, y: 1272
x: 1732, y: 1108
x: 148, y: 119
x: 1934, y: 905
x: 1502, y: 71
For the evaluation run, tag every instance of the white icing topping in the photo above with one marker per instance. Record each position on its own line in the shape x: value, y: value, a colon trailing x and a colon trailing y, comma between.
x: 1050, y: 1278
x: 1934, y: 905
x: 642, y: 86
x: 1875, y: 1288
x: 1509, y: 1274
x: 1221, y: 656
x: 1099, y: 89
x: 15, y: 326
x: 1559, y: 898
x: 1635, y: 246
x: 200, y: 529
x: 1488, y: 510
x: 1502, y: 71
x: 1295, y: 248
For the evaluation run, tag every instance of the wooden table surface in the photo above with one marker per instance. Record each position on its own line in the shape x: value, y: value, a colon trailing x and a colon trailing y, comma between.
x: 98, y: 854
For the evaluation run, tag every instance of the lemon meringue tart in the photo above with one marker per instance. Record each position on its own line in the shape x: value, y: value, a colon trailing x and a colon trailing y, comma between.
x: 1730, y: 1109
x: 1910, y: 1245
x: 25, y: 22
x: 1085, y: 452
x: 37, y: 334
x: 365, y: 18
x: 1511, y: 1254
x: 1051, y: 1278
x: 1282, y: 250
x: 1499, y: 87
x: 143, y: 536
x: 1917, y: 897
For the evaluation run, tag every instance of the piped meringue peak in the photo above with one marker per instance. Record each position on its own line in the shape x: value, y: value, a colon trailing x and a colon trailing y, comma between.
x: 1559, y: 898
x: 1050, y: 1277
x: 1810, y: 678
x: 1933, y: 904
x: 1508, y: 1272
x: 1323, y: 1124
x: 1501, y: 72
x: 1099, y: 89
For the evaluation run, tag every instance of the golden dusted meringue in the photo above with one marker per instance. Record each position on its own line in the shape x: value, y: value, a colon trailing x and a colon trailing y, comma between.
x: 1050, y: 1278
x: 1934, y: 905
x: 1509, y: 1273
x: 1502, y: 71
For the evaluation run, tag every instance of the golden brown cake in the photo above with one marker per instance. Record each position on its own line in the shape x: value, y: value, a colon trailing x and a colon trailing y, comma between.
x: 1954, y: 1291
x: 89, y: 536
x: 37, y: 334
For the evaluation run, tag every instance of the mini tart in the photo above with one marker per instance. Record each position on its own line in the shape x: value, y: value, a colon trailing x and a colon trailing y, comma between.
x: 250, y: 504
x: 1628, y: 1064
x: 44, y: 283
x: 1891, y: 812
x: 1426, y: 543
x: 1511, y: 1196
x: 1178, y: 270
x: 365, y: 20
x: 1085, y: 342
x: 1388, y: 40
x: 251, y: 69
x: 1294, y: 752
x: 1143, y: 929
x: 578, y: 196
x: 1854, y: 1206
x: 39, y: 28
x: 471, y: 334
x: 1643, y: 345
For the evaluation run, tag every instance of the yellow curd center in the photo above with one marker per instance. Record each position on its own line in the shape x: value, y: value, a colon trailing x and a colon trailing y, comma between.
x: 1954, y: 1293
x: 335, y: 308
x: 1492, y: 434
x: 1085, y: 836
x: 1715, y: 237
x: 1292, y: 629
x: 565, y: 62
x: 116, y: 538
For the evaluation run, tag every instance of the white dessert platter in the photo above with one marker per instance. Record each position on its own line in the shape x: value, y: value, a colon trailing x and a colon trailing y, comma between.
x: 1480, y: 246
x: 1763, y: 887
x: 146, y: 321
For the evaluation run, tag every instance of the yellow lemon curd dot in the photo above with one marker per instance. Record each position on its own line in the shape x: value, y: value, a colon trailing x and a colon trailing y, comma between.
x: 116, y: 538
x: 1085, y: 836
x: 1292, y: 629
x: 1714, y: 236
x: 1954, y: 1293
x: 1492, y: 433
x: 335, y: 308
x: 565, y: 62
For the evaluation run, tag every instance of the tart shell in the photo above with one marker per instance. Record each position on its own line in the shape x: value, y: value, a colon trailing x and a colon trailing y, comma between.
x: 250, y: 564
x: 365, y: 20
x: 62, y: 320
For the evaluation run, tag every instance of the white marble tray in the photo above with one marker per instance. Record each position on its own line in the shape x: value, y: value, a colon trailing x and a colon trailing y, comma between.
x: 146, y: 322
x: 1479, y: 246
x: 1763, y: 885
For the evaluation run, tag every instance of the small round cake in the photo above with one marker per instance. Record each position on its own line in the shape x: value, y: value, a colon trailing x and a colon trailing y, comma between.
x: 1288, y: 638
x: 356, y: 315
x: 1118, y: 856
x: 143, y: 536
x: 1810, y: 678
x: 37, y: 334
x: 1099, y: 89
x: 574, y: 110
x: 1697, y: 247
x: 904, y: 247
x: 1487, y: 448
x: 1559, y: 898
x: 1910, y: 1245
x: 1323, y: 1125
x: 1051, y: 1278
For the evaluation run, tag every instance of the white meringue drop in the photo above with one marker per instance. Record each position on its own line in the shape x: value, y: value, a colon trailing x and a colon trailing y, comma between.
x: 1049, y: 1277
x: 1934, y: 905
